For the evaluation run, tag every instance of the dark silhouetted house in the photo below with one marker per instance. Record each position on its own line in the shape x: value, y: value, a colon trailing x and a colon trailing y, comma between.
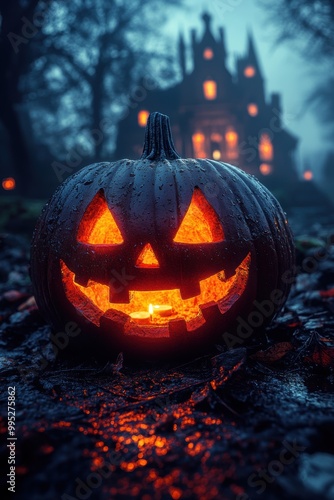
x: 218, y: 114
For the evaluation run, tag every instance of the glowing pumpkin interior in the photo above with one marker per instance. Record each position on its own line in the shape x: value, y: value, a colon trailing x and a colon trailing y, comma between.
x: 199, y: 225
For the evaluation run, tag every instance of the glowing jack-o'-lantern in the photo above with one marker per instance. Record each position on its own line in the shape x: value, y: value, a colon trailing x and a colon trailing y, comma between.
x: 159, y: 256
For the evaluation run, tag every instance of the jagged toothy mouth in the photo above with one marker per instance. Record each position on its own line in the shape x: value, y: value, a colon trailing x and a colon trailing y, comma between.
x: 216, y: 295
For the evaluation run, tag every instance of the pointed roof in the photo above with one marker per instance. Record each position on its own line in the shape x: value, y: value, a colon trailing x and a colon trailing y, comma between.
x: 207, y: 35
x: 208, y: 39
x: 207, y: 20
x: 252, y: 56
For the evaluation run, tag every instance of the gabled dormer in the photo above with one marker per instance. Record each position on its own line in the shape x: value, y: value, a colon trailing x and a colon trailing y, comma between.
x: 209, y: 81
x: 250, y: 78
x: 208, y: 51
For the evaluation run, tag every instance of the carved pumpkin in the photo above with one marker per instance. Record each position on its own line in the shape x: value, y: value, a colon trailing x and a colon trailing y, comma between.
x: 160, y: 256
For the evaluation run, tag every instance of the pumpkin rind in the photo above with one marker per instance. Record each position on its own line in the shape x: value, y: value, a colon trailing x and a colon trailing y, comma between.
x: 149, y: 198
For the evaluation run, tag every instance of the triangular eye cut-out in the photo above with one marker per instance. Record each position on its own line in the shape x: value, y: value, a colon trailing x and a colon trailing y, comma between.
x: 200, y: 224
x: 98, y: 226
x: 147, y: 257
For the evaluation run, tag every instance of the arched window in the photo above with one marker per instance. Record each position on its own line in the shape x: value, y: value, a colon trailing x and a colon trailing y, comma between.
x: 210, y: 90
x: 266, y: 150
x: 266, y: 169
x: 208, y: 54
x: 199, y: 145
x: 231, y: 138
x: 252, y: 109
x: 249, y: 71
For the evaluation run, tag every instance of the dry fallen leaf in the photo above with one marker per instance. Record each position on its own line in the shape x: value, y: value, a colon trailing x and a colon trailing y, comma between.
x: 273, y: 353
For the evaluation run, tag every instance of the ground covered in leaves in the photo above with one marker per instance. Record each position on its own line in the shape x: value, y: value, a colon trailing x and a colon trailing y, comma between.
x: 235, y: 424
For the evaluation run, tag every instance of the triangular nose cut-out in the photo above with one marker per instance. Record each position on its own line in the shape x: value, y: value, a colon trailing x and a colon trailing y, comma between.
x: 147, y: 258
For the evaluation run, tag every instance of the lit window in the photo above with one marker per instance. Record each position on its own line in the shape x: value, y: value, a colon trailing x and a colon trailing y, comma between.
x: 231, y: 138
x: 249, y: 71
x: 208, y: 54
x: 143, y: 117
x: 266, y: 169
x: 252, y: 109
x: 199, y: 145
x: 8, y: 183
x: 266, y: 148
x: 210, y: 90
x: 308, y: 175
x: 216, y: 154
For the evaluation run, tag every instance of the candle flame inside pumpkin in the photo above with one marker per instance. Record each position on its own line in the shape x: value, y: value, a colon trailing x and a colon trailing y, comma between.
x: 200, y: 225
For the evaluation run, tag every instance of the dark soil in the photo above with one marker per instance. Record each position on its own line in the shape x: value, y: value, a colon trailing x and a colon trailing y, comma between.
x: 230, y: 425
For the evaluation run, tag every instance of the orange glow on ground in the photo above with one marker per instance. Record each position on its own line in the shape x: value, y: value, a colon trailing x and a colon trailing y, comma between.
x: 98, y: 226
x: 8, y: 183
x: 200, y: 224
x: 249, y: 71
x: 147, y: 258
x: 266, y: 150
x: 210, y: 90
x: 208, y: 54
x: 266, y: 169
x: 93, y: 300
x: 252, y: 109
x: 143, y: 117
x: 308, y: 175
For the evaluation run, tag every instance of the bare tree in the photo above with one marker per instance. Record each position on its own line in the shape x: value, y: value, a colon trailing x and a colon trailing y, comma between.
x: 94, y: 54
x: 310, y: 23
x: 15, y: 34
x: 74, y: 69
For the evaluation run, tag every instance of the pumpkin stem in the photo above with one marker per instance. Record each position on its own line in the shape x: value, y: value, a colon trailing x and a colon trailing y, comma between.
x: 159, y: 143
